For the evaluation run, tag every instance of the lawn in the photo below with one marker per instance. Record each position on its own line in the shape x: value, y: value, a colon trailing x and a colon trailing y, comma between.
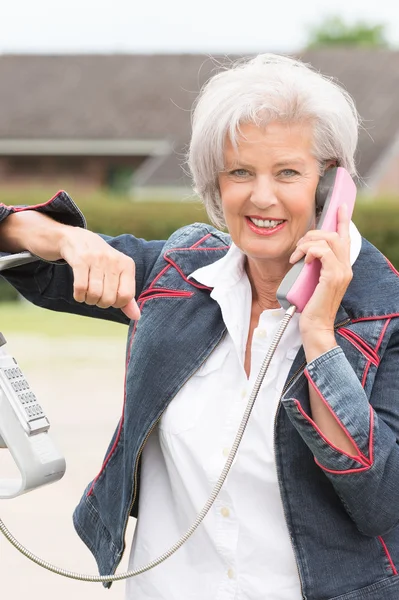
x: 23, y: 317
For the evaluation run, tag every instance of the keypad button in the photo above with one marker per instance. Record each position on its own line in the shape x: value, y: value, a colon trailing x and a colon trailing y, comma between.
x: 25, y: 396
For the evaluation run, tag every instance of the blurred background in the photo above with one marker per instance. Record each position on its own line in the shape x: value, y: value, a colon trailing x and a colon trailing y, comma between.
x: 95, y: 98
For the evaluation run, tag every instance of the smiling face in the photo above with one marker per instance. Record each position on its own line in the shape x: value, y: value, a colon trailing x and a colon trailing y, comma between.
x: 268, y: 191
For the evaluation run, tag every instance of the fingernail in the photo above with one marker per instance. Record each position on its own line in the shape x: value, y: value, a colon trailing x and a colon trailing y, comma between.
x: 132, y: 310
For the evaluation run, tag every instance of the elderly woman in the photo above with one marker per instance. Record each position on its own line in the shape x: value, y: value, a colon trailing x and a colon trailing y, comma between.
x: 310, y: 508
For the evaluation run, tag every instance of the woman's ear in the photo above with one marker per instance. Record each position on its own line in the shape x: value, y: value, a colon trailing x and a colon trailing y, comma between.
x: 329, y: 164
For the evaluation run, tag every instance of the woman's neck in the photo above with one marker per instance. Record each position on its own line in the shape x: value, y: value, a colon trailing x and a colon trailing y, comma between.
x: 264, y: 283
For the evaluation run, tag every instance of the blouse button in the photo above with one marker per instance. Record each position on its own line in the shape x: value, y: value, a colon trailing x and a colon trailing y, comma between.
x: 260, y: 332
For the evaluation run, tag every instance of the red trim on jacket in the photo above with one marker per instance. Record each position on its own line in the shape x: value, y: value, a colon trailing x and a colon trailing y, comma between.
x: 367, y: 462
x: 391, y: 266
x: 358, y: 458
x: 33, y: 206
x: 382, y: 335
x: 173, y: 264
x: 370, y: 461
x: 376, y: 318
x: 360, y: 344
x: 383, y: 544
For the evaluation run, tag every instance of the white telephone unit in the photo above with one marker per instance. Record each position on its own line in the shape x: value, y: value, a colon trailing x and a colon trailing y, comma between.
x: 24, y: 427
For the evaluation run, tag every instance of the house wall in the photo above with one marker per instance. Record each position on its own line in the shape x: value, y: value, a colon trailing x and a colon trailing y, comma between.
x: 89, y: 172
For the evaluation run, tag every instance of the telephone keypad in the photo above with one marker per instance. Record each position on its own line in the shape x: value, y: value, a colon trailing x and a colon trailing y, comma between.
x: 26, y: 397
x: 13, y: 373
x: 17, y: 397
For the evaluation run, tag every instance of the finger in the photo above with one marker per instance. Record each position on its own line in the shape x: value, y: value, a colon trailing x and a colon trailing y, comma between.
x: 304, y: 248
x: 126, y: 293
x: 340, y: 246
x: 319, y: 234
x: 132, y: 310
x: 333, y: 270
x: 126, y: 287
x: 341, y: 273
x: 80, y: 281
x: 96, y: 285
x: 296, y: 255
x: 110, y: 289
x: 322, y: 252
x: 343, y: 222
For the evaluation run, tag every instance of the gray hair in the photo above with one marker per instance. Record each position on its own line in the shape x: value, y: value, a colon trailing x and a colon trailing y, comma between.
x: 267, y: 88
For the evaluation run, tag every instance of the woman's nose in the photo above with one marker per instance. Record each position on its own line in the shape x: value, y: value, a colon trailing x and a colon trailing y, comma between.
x: 263, y: 192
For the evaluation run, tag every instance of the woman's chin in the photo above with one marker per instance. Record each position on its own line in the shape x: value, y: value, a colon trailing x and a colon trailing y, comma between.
x: 260, y: 250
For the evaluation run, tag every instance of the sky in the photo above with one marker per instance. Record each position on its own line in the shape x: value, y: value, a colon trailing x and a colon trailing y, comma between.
x: 176, y: 26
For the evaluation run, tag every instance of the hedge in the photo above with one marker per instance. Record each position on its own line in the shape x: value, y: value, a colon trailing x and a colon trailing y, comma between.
x: 378, y: 221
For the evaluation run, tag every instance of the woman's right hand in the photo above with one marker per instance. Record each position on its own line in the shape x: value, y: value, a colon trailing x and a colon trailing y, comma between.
x: 103, y: 276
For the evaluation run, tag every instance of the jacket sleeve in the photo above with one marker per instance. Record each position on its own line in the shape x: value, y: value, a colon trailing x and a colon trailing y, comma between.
x: 368, y: 481
x: 50, y: 284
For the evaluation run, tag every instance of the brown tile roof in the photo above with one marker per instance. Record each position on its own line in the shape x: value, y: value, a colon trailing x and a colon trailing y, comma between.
x: 150, y: 96
x: 99, y: 96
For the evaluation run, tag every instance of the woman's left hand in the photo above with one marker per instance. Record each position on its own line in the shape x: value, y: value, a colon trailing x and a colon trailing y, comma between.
x: 333, y: 251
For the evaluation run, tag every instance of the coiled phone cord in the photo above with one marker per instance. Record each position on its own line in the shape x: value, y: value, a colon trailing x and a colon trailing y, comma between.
x: 117, y: 577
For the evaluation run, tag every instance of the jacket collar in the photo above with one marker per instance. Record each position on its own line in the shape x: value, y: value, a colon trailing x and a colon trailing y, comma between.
x: 373, y: 292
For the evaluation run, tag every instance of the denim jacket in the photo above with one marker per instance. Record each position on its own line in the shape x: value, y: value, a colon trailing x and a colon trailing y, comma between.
x: 341, y: 510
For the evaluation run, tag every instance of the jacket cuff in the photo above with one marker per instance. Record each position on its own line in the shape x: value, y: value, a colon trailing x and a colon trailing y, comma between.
x: 334, y: 380
x: 60, y: 207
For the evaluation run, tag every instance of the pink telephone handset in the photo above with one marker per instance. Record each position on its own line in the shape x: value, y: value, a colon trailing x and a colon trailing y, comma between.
x: 335, y: 188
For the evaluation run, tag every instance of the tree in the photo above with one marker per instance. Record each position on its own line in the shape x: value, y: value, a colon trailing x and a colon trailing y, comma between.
x: 333, y: 31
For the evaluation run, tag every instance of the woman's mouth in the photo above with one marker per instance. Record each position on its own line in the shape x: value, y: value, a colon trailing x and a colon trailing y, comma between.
x: 265, y: 226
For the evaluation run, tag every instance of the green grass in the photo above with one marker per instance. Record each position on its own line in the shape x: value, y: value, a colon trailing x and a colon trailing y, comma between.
x: 22, y: 317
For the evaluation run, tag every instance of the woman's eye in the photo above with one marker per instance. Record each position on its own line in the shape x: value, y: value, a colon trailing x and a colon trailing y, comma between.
x: 239, y: 173
x: 288, y: 173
